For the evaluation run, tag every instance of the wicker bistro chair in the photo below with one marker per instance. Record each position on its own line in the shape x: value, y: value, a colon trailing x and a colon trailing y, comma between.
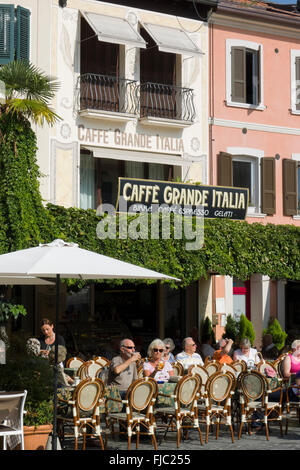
x: 254, y: 390
x: 183, y: 415
x: 11, y: 417
x: 219, y: 390
x: 178, y: 369
x: 102, y: 360
x: 89, y: 369
x: 292, y: 407
x: 212, y: 367
x: 85, y: 407
x: 228, y: 368
x: 74, y: 362
x: 240, y: 366
x: 138, y: 418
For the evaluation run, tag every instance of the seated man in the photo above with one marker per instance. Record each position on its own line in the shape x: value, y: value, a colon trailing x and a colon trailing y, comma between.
x: 188, y: 356
x: 222, y: 354
x: 206, y: 348
x: 122, y: 370
x: 269, y: 350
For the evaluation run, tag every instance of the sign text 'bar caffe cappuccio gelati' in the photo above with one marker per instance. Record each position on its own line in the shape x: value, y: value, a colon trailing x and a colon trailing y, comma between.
x: 137, y: 195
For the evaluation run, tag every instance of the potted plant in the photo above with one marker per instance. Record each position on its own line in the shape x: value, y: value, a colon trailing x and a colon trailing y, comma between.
x: 25, y: 371
x: 37, y: 424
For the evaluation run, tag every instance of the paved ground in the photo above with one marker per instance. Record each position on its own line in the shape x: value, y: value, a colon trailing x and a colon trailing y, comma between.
x: 255, y: 442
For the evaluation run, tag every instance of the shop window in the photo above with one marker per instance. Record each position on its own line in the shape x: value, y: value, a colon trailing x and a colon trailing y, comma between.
x: 99, y: 177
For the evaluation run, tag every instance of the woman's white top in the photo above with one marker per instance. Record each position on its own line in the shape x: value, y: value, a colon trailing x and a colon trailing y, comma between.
x: 252, y: 358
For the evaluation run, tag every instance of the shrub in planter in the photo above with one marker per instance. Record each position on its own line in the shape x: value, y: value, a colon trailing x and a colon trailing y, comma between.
x: 246, y: 330
x: 279, y: 336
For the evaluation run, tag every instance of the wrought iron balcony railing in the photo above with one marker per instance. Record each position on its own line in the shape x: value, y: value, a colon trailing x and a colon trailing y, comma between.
x: 107, y: 93
x: 113, y: 94
x: 166, y: 101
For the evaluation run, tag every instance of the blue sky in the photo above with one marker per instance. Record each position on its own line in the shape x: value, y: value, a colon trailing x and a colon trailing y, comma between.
x: 284, y: 2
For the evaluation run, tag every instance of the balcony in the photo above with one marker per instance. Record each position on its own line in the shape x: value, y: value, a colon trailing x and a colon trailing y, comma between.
x: 112, y: 98
x: 107, y: 97
x: 166, y: 105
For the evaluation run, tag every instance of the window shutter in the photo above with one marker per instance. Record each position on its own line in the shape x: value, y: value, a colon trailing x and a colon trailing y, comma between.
x: 297, y: 90
x: 289, y: 178
x: 23, y: 34
x: 7, y: 33
x: 224, y: 169
x: 238, y: 74
x: 268, y: 185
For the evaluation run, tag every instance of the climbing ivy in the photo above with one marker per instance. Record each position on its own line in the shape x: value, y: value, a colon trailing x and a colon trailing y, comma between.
x: 232, y: 248
x: 24, y: 220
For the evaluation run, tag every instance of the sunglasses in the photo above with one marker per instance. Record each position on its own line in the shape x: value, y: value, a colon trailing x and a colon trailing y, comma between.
x: 158, y: 350
x: 167, y: 347
x: 129, y: 347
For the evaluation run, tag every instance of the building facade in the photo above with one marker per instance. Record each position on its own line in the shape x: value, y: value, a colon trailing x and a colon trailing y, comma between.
x: 254, y: 139
x: 169, y: 92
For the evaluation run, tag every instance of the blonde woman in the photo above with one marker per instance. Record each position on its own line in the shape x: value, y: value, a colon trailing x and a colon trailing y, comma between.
x: 156, y: 366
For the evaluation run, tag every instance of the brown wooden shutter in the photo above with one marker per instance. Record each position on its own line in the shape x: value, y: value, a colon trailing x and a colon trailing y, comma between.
x: 224, y: 169
x: 238, y: 74
x: 289, y: 179
x: 297, y: 91
x: 268, y: 185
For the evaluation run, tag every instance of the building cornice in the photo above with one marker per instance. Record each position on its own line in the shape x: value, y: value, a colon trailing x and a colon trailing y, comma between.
x: 258, y: 19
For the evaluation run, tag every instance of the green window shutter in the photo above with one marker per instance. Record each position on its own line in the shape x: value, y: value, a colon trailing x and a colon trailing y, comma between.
x: 23, y: 34
x: 268, y: 185
x: 289, y: 179
x: 224, y: 169
x: 7, y: 33
x: 238, y: 74
x: 297, y: 91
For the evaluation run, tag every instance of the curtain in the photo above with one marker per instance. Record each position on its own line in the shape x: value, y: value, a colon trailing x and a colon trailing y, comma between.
x: 87, y: 181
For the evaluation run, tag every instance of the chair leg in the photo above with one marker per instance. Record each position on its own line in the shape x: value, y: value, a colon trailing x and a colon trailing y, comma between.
x: 200, y: 435
x: 231, y: 430
x: 267, y: 431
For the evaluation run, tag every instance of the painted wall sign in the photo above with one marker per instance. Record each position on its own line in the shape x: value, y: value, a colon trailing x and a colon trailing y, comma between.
x: 136, y: 195
x: 135, y: 141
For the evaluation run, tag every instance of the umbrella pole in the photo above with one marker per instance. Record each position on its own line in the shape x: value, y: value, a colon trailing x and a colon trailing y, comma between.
x: 54, y: 432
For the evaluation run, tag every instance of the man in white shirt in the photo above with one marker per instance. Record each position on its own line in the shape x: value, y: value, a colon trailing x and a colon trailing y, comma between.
x: 188, y: 356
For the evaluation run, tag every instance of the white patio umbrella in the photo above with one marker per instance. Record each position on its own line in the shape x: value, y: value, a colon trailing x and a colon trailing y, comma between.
x: 24, y: 280
x: 60, y: 259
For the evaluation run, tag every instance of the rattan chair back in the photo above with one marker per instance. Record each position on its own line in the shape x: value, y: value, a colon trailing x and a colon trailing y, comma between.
x: 178, y: 369
x: 74, y: 362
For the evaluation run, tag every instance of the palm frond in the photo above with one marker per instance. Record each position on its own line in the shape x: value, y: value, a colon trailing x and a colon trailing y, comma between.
x: 36, y: 110
x: 24, y: 79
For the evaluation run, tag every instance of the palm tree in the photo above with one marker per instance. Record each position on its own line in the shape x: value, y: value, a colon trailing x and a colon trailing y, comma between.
x: 28, y: 92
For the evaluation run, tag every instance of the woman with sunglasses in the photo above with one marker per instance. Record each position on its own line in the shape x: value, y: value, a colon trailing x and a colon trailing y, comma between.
x: 169, y: 347
x: 157, y: 367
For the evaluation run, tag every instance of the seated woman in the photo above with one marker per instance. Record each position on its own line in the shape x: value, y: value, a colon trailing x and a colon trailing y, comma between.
x: 169, y: 347
x: 246, y: 353
x: 157, y: 367
x: 291, y: 366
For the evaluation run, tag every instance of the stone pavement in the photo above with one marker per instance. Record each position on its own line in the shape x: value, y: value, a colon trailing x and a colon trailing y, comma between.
x: 255, y: 442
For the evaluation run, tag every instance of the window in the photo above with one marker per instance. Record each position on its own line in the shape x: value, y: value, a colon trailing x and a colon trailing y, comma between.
x: 14, y: 33
x: 295, y: 81
x: 99, y: 177
x: 244, y: 85
x: 291, y: 185
x: 255, y: 172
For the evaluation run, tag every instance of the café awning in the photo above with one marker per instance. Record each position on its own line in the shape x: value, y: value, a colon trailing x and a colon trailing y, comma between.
x: 114, y: 30
x: 172, y: 40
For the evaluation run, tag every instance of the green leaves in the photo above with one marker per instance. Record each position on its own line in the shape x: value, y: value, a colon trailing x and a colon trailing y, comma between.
x: 9, y: 310
x: 28, y: 92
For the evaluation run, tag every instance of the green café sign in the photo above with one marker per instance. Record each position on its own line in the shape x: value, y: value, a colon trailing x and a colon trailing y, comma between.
x: 137, y: 195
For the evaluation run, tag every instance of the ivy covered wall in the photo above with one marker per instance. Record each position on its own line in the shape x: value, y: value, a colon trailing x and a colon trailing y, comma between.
x: 234, y: 248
